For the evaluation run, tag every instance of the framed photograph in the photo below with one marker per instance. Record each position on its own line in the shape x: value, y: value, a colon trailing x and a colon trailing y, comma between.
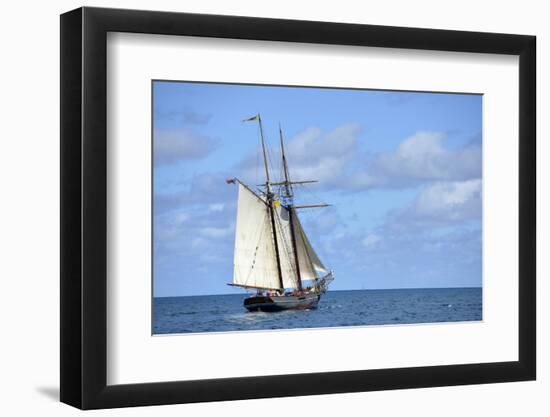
x: 257, y: 208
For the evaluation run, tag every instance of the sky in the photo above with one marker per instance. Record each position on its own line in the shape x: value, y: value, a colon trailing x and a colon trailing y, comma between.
x: 400, y: 170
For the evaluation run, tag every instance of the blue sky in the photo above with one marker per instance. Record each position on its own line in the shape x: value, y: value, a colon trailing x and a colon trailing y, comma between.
x: 401, y: 170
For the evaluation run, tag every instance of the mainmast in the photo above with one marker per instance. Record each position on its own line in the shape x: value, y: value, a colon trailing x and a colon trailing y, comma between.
x: 291, y: 212
x: 269, y: 201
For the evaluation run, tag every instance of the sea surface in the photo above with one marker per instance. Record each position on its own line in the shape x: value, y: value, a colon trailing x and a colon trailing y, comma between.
x: 225, y: 313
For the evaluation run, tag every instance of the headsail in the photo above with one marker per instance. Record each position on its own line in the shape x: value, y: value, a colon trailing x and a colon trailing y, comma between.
x: 304, y: 246
x: 309, y: 263
x: 254, y: 260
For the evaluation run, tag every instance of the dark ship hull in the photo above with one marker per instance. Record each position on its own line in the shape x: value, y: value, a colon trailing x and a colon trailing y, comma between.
x: 282, y: 302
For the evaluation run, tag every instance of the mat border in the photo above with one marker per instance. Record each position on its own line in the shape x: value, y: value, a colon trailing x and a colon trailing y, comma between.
x: 83, y: 231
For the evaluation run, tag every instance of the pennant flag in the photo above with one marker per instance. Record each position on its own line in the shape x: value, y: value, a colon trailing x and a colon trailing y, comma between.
x: 251, y: 118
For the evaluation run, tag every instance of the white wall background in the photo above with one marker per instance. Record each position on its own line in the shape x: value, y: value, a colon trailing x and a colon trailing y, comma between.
x: 29, y: 226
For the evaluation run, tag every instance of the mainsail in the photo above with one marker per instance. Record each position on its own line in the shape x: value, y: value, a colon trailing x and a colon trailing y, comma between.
x: 255, y: 264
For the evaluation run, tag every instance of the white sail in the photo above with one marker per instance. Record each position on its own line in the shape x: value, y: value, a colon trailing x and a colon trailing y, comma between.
x: 272, y: 250
x: 255, y: 263
x: 306, y: 252
x: 284, y: 243
x: 307, y: 258
x: 303, y: 242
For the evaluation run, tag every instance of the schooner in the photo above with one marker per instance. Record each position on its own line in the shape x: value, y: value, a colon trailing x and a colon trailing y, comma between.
x: 273, y: 256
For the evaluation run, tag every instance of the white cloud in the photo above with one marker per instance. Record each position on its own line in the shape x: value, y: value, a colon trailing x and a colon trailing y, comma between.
x: 199, y: 243
x: 441, y: 204
x: 210, y: 190
x: 324, y: 157
x: 216, y: 207
x: 172, y: 145
x: 217, y: 232
x: 371, y: 240
x: 419, y: 158
x: 312, y: 155
x: 450, y: 200
x: 336, y: 160
x: 181, y: 217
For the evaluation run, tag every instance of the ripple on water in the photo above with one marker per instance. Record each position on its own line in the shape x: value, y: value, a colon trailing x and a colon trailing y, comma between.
x: 338, y: 308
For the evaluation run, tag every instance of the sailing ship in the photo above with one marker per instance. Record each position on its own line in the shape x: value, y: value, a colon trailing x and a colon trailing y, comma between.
x: 273, y: 257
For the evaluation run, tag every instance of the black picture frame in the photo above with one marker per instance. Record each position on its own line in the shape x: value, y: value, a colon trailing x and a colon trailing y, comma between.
x: 84, y: 207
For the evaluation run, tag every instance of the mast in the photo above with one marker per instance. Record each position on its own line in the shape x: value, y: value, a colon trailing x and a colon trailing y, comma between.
x: 303, y: 257
x: 291, y: 212
x: 269, y: 196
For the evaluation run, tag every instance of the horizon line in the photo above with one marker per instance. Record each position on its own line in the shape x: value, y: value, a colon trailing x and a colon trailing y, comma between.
x: 355, y: 289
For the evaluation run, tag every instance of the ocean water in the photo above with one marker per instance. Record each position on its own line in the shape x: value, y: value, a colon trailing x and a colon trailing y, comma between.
x: 224, y: 313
